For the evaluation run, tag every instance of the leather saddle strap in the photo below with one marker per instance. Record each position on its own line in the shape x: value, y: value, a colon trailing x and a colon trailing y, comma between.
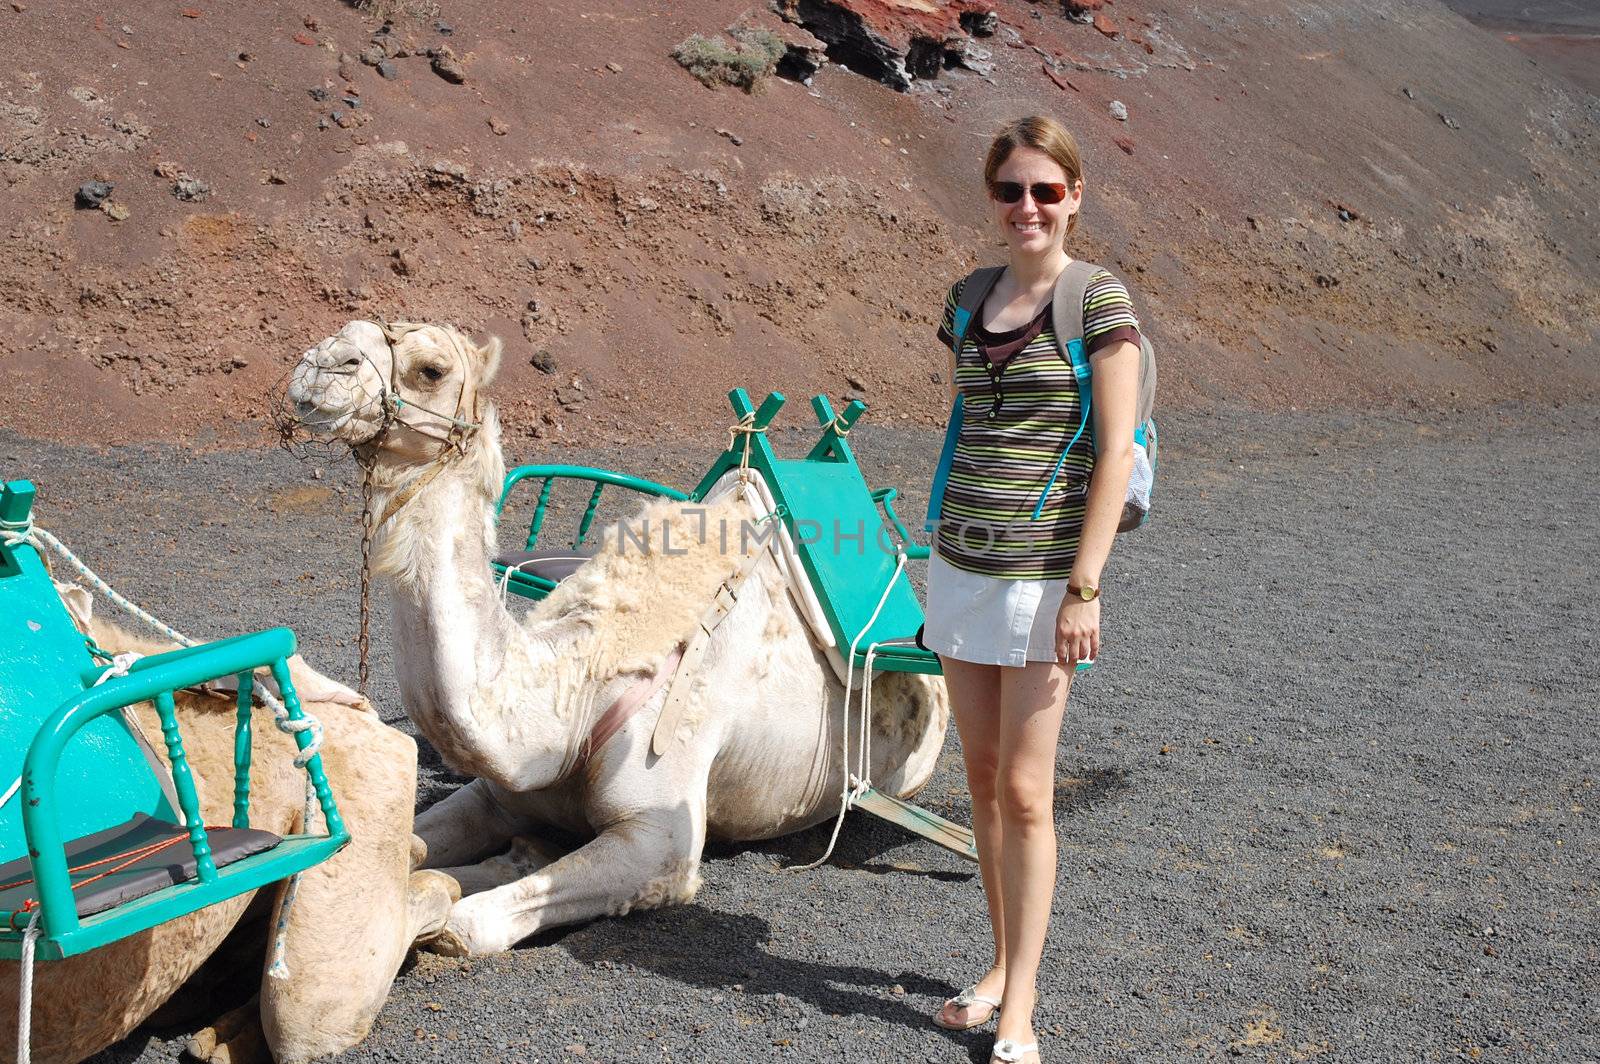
x: 623, y: 709
x: 694, y: 651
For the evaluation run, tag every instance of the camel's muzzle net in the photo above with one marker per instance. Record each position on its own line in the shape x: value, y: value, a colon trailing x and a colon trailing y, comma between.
x: 314, y: 431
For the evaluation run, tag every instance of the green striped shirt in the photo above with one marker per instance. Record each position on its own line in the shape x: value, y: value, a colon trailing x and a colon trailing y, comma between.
x: 1017, y: 418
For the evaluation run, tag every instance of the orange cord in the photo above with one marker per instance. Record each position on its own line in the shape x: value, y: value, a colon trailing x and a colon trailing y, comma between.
x: 133, y: 857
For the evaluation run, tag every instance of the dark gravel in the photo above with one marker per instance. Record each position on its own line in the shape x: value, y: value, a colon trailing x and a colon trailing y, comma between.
x: 1330, y: 794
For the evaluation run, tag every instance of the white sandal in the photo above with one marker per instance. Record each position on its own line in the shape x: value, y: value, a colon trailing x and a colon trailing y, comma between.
x: 1009, y: 1052
x: 965, y: 1000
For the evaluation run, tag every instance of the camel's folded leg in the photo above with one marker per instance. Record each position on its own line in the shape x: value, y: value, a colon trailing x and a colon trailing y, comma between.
x: 641, y: 863
x: 349, y: 929
x: 233, y: 1038
x: 465, y: 826
x: 526, y: 856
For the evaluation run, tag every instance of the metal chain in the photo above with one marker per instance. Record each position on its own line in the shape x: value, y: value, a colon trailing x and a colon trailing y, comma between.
x: 364, y: 638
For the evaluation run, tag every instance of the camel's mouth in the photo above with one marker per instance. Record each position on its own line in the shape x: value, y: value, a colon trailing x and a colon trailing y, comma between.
x: 317, y: 419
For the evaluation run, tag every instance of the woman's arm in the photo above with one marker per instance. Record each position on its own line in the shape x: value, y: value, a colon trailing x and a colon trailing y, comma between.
x: 1115, y: 395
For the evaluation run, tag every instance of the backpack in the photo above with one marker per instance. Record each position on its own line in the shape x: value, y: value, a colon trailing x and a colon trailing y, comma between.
x: 1067, y: 324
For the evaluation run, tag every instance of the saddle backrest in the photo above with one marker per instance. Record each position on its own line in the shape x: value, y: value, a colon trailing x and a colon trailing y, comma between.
x: 105, y: 777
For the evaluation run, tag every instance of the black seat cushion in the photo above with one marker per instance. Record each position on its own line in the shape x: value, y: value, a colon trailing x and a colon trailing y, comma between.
x: 93, y: 855
x: 554, y: 565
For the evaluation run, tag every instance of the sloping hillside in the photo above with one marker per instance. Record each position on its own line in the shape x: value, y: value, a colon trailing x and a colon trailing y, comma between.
x: 1361, y: 204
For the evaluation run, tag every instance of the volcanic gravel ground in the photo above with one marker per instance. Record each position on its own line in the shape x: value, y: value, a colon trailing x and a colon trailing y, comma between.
x: 1329, y: 795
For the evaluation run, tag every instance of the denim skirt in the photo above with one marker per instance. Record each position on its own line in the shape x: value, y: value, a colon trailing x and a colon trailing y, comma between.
x: 988, y: 620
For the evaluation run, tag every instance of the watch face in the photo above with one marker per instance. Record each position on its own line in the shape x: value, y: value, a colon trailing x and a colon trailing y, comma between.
x: 1086, y: 593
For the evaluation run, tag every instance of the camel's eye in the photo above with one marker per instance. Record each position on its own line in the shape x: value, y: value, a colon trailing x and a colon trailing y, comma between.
x: 432, y: 374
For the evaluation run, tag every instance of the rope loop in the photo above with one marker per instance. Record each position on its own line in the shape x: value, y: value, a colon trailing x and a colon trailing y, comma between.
x: 120, y: 664
x: 18, y: 533
x: 839, y: 426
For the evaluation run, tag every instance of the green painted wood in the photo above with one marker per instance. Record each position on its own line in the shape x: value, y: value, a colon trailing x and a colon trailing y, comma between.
x: 549, y: 474
x: 80, y: 770
x: 44, y: 661
x: 241, y: 750
x: 931, y: 826
x: 831, y: 446
x: 303, y: 739
x: 525, y: 584
x: 183, y: 779
x: 295, y: 853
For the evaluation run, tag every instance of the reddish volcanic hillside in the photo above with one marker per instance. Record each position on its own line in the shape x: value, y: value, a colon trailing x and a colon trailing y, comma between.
x: 1372, y: 204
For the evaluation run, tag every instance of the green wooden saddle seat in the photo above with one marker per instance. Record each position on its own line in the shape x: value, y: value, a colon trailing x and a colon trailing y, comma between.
x: 97, y: 840
x: 847, y: 536
x: 533, y: 572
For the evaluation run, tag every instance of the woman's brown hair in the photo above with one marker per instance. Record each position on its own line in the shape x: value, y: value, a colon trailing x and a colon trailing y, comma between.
x: 1041, y: 134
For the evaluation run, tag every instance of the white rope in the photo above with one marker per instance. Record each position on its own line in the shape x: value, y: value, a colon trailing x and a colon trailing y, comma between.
x: 120, y: 664
x: 13, y: 533
x: 25, y: 532
x: 856, y: 783
x: 25, y: 991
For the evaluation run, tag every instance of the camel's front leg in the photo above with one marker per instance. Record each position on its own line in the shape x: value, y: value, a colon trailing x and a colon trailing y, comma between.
x: 642, y: 862
x: 464, y: 827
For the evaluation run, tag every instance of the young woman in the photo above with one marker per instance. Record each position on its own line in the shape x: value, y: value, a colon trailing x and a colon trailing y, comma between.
x: 1014, y: 599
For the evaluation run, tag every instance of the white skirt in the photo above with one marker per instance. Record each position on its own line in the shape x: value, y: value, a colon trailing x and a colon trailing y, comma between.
x: 988, y: 620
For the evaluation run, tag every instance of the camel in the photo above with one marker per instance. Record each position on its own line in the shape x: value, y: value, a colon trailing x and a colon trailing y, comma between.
x: 354, y: 916
x: 514, y: 700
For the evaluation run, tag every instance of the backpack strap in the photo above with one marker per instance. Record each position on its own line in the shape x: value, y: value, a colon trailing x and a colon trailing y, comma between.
x: 974, y: 290
x: 1066, y: 319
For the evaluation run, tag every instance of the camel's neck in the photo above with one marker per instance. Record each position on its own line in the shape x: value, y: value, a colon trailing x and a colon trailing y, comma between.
x: 456, y: 645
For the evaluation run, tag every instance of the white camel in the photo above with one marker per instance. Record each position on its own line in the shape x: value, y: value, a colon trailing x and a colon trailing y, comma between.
x: 354, y: 918
x: 514, y: 701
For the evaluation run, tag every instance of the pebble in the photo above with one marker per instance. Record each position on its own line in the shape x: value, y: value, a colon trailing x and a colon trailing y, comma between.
x: 190, y: 189
x: 92, y: 193
x: 1119, y: 110
x: 387, y: 69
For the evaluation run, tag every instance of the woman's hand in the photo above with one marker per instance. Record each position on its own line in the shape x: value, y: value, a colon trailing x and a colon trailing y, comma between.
x: 1077, y: 630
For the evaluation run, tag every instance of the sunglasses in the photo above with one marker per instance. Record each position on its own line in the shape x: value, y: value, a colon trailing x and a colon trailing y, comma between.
x: 1042, y: 191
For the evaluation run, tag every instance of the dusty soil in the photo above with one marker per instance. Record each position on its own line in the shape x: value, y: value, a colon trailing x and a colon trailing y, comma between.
x: 1330, y: 794
x: 1324, y: 209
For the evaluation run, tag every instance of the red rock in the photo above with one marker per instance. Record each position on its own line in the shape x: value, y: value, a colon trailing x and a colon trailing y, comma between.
x: 1125, y: 143
x: 305, y: 39
x: 191, y: 12
x: 1106, y: 26
x: 1061, y: 82
x: 100, y: 23
x: 1082, y: 7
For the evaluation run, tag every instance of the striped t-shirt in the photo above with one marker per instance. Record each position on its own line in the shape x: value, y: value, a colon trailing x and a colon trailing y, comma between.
x: 1019, y: 412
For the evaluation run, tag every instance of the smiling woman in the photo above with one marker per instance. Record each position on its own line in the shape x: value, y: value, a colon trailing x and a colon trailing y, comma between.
x: 1027, y: 504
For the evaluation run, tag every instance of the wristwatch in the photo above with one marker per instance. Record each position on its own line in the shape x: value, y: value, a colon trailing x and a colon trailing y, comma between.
x: 1086, y: 593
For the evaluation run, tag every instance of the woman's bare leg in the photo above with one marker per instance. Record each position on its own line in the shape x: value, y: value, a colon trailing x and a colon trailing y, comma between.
x: 975, y: 700
x: 1033, y: 700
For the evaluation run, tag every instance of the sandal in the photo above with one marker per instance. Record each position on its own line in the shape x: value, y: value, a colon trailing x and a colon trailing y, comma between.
x: 965, y: 1000
x: 1008, y: 1052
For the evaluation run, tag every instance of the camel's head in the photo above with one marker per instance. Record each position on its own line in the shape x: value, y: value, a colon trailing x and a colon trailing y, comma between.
x: 401, y: 387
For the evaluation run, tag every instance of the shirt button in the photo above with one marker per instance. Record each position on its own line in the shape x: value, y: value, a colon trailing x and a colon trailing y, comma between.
x: 991, y: 415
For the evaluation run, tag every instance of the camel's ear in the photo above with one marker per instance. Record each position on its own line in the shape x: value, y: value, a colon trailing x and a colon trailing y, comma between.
x: 488, y: 356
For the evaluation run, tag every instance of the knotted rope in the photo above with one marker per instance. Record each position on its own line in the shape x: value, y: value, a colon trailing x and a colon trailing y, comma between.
x: 746, y: 427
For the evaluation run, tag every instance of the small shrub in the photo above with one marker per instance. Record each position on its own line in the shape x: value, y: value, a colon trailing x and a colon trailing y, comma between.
x: 748, y: 61
x: 397, y: 10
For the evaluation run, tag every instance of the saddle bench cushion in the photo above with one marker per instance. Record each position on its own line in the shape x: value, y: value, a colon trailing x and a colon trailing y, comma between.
x: 92, y: 855
x: 553, y: 565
